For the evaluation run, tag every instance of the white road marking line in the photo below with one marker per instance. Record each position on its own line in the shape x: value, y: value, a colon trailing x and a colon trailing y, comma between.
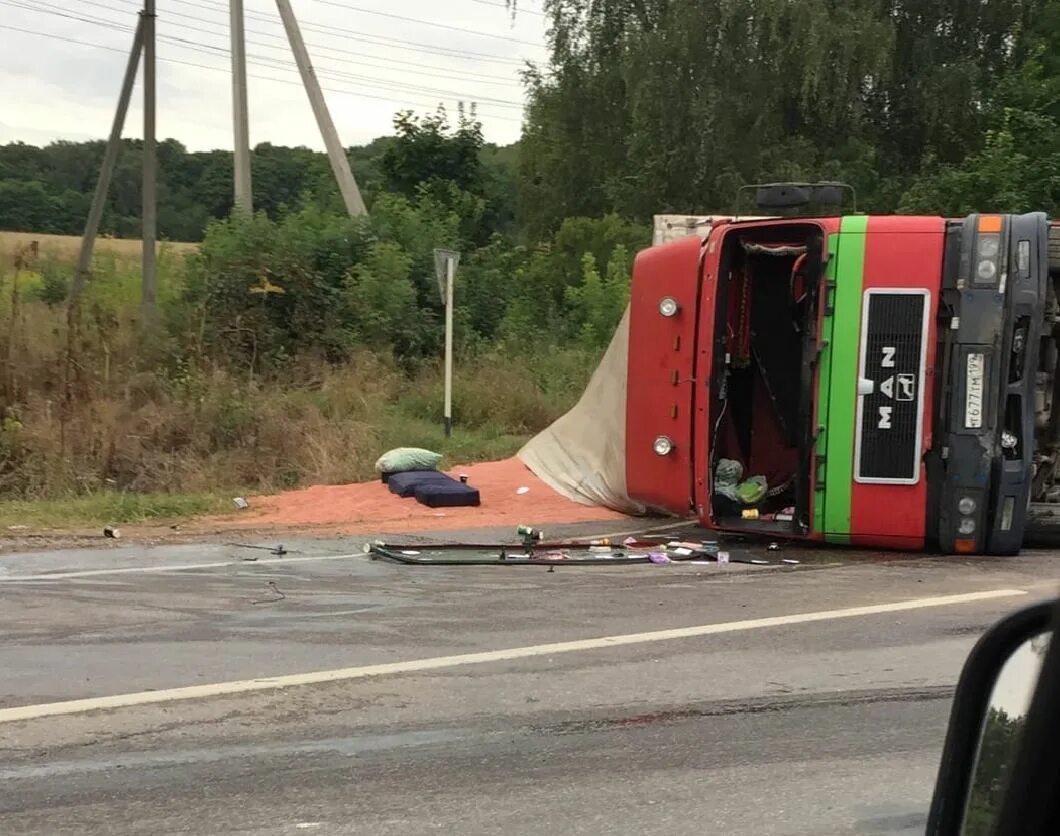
x: 179, y: 567
x: 274, y: 683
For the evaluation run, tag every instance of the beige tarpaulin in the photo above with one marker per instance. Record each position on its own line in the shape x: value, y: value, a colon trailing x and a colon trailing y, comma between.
x: 583, y: 454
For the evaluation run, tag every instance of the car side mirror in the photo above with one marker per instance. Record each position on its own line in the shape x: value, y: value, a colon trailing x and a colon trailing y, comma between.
x: 990, y: 708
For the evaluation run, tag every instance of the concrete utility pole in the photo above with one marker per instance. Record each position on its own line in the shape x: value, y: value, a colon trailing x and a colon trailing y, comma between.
x: 149, y: 210
x: 110, y: 156
x: 244, y: 192
x: 351, y: 195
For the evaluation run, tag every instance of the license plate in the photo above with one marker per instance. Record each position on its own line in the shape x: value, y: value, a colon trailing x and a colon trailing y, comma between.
x: 973, y: 397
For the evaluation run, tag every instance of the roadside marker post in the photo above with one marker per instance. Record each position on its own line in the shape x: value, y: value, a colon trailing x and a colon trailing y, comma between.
x: 445, y: 263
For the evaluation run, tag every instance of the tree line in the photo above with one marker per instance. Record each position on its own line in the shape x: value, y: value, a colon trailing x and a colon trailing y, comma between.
x: 48, y: 189
x: 644, y: 106
x: 938, y: 106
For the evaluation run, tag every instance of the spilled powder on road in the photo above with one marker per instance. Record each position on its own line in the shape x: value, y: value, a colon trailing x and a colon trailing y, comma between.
x: 370, y: 507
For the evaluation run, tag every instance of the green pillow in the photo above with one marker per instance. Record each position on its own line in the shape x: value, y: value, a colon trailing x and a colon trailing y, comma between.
x: 402, y: 459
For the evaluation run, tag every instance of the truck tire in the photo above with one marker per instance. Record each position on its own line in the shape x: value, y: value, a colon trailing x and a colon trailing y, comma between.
x: 1054, y: 249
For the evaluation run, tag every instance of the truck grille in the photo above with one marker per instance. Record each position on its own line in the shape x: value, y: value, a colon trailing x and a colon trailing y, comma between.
x: 890, y: 418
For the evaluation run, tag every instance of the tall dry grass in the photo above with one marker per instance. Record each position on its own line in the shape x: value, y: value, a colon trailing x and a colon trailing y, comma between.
x: 144, y: 419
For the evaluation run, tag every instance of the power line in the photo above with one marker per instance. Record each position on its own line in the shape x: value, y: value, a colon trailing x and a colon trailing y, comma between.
x: 226, y: 70
x: 434, y: 70
x: 374, y: 40
x: 504, y: 6
x: 422, y: 22
x: 274, y: 63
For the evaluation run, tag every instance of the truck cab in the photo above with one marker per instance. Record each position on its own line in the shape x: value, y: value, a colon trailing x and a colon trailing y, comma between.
x: 883, y: 381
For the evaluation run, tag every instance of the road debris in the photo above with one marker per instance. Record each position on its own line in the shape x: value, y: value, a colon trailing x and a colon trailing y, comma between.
x: 277, y: 595
x: 240, y: 503
x: 279, y: 550
x: 111, y: 533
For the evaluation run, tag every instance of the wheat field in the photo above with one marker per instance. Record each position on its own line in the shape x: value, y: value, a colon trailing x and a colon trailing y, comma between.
x: 66, y: 247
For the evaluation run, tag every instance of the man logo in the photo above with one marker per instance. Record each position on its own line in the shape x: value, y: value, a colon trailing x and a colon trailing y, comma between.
x: 906, y: 388
x: 885, y: 417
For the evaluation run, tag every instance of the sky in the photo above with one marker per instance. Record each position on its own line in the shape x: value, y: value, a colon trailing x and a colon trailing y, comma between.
x: 61, y: 64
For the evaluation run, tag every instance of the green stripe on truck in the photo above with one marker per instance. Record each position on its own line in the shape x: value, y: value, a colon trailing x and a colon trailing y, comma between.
x: 841, y: 396
x: 824, y: 382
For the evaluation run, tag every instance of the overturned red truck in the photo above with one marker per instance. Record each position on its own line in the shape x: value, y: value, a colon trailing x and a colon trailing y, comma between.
x: 892, y: 380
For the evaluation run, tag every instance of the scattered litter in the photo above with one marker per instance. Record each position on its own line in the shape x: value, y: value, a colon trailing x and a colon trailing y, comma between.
x: 240, y: 503
x: 17, y: 527
x: 530, y: 535
x: 111, y: 533
x: 683, y: 552
x: 174, y: 527
x: 279, y: 550
x: 773, y: 547
x: 753, y: 490
x: 658, y: 557
x: 723, y: 557
x: 278, y: 596
x: 523, y: 490
x: 790, y: 562
x: 677, y: 544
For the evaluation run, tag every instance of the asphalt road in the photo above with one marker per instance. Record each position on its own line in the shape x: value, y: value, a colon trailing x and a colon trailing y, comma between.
x: 821, y: 721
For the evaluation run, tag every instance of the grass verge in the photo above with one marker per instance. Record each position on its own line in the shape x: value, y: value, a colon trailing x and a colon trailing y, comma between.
x: 106, y: 509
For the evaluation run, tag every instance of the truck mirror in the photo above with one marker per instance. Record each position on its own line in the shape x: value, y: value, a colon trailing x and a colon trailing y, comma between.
x: 989, y: 711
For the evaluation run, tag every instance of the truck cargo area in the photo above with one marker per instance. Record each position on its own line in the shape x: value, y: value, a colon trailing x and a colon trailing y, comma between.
x: 761, y: 413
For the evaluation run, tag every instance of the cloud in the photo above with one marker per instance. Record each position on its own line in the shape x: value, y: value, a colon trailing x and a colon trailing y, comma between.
x: 370, y: 66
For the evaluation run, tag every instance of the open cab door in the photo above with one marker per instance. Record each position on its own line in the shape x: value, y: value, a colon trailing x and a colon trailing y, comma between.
x: 763, y: 299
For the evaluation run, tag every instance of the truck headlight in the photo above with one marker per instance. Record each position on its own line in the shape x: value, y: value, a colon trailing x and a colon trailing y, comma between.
x: 967, y: 505
x: 989, y: 246
x: 663, y: 446
x: 987, y: 249
x: 986, y: 271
